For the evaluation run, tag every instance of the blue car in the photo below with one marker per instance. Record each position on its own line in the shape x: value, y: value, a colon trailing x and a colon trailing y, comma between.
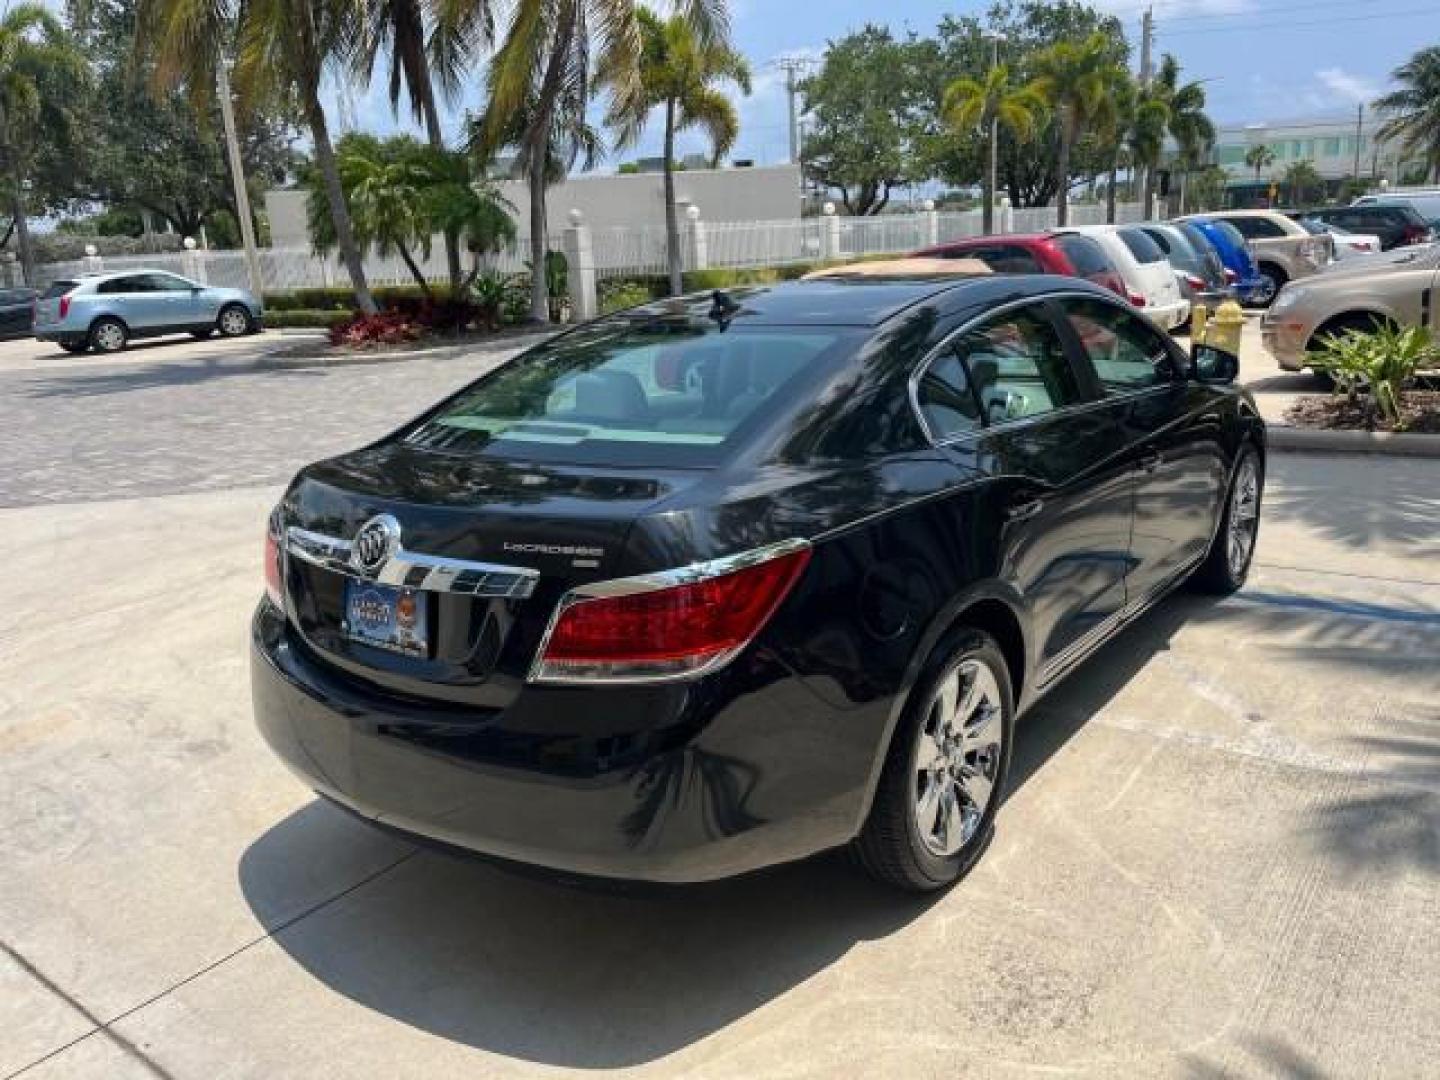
x: 1250, y: 286
x: 105, y: 312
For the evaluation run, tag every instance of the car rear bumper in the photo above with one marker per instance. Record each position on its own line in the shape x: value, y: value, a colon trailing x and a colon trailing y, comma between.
x: 1169, y: 316
x: 666, y: 783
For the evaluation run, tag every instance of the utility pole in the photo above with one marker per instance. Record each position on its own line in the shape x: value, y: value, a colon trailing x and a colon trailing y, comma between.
x: 988, y: 216
x: 1359, y: 131
x: 237, y: 178
x: 793, y: 66
x: 1147, y: 39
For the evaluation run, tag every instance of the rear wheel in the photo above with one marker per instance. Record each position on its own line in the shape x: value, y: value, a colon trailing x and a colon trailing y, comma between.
x: 944, y: 774
x: 234, y: 320
x: 108, y: 335
x: 1227, y: 564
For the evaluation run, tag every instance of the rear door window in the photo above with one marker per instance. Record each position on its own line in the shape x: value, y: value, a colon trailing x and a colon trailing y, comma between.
x: 945, y: 397
x: 1004, y: 258
x: 131, y: 283
x: 667, y: 392
x: 1254, y: 228
x: 1017, y: 368
x: 57, y: 289
x: 1126, y: 351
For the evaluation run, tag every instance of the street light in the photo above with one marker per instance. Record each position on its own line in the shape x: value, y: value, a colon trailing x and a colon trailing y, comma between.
x: 988, y: 216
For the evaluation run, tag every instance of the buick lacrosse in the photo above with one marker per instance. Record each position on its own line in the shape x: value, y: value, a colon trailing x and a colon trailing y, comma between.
x: 724, y: 581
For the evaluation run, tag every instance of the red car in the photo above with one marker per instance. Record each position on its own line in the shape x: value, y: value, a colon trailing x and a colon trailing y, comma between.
x: 1068, y: 254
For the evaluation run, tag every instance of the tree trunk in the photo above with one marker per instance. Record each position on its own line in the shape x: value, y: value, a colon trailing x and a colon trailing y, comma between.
x: 436, y: 138
x: 987, y: 212
x: 672, y: 226
x: 539, y: 290
x: 1148, y: 199
x: 415, y: 271
x: 335, y: 196
x: 1110, y: 188
x: 10, y: 161
x: 1062, y: 172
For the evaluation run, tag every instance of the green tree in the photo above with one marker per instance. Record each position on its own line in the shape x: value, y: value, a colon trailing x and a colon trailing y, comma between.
x: 1075, y: 76
x: 868, y: 104
x: 283, y: 50
x: 34, y: 49
x: 1259, y: 157
x: 986, y: 105
x: 1207, y: 188
x: 678, y: 73
x: 1185, y: 120
x: 1414, y: 108
x: 1302, y: 179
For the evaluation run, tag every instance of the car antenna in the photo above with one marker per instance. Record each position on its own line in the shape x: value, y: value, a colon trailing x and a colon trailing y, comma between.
x: 722, y: 309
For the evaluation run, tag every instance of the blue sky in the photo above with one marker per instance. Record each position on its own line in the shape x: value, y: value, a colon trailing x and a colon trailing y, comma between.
x: 1263, y: 61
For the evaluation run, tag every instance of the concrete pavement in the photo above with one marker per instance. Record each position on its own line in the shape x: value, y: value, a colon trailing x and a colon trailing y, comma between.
x: 1221, y: 855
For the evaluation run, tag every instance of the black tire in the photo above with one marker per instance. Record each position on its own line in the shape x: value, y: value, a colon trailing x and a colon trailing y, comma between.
x: 234, y: 320
x: 108, y: 335
x: 1219, y: 574
x: 890, y: 847
x: 1277, y: 279
x: 203, y: 335
x: 75, y: 347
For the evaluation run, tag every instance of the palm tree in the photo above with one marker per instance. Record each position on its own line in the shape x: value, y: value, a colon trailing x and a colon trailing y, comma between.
x: 1259, y: 157
x: 1075, y: 77
x: 32, y: 44
x: 1192, y: 130
x: 419, y: 63
x: 1300, y: 178
x: 1416, y: 108
x: 987, y: 105
x: 284, y: 48
x: 677, y: 73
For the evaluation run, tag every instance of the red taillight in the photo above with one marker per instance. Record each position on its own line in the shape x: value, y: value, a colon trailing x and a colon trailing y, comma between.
x: 1194, y: 281
x: 1416, y: 234
x: 1135, y: 298
x: 1230, y: 276
x: 274, y: 575
x: 666, y: 626
x: 64, y: 306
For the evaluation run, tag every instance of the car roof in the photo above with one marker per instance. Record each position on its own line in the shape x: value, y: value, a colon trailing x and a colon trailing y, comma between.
x: 859, y: 301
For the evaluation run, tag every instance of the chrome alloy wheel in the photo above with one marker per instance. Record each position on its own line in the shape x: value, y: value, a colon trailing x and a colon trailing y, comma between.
x: 109, y: 337
x: 957, y: 757
x: 1244, y: 517
x: 233, y: 322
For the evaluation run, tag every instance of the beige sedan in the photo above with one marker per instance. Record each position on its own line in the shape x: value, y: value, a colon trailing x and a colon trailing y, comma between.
x: 1399, y: 287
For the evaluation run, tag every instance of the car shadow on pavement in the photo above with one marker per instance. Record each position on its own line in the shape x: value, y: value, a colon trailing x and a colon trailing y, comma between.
x: 582, y: 977
x: 189, y: 372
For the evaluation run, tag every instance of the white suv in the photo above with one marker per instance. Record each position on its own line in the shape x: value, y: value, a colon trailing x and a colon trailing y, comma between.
x: 1149, y: 279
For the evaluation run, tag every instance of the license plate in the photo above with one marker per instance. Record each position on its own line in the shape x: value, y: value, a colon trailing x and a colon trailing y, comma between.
x: 386, y: 617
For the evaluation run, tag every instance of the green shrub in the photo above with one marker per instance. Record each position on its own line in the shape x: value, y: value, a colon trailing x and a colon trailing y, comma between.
x: 627, y: 295
x: 303, y: 317
x: 1383, y: 361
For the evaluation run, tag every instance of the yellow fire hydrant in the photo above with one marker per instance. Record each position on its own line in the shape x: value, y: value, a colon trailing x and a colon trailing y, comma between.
x: 1224, y: 330
x: 1198, y: 315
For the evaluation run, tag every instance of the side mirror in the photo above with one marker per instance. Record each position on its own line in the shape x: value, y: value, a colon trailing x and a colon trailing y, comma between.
x: 1212, y: 365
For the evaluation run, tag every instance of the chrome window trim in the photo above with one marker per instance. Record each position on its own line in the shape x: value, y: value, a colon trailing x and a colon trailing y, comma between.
x: 652, y: 582
x: 441, y: 574
x: 913, y: 385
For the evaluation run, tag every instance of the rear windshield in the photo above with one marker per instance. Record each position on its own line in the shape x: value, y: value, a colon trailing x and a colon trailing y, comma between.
x: 1141, y: 246
x: 1176, y: 246
x: 1231, y: 233
x: 58, y: 288
x: 669, y: 392
x: 1085, y: 255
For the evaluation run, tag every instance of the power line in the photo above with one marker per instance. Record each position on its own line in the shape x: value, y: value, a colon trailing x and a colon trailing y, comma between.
x: 1314, y: 24
x: 1240, y: 16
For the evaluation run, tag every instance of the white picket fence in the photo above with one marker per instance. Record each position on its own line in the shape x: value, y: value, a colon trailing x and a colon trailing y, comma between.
x: 618, y: 252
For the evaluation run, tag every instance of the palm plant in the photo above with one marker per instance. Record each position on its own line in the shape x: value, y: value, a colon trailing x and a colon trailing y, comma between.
x: 1259, y: 157
x: 1189, y: 126
x: 1075, y: 77
x: 987, y: 105
x: 1415, y: 108
x: 678, y: 70
x: 1300, y: 178
x: 32, y: 45
x: 284, y: 48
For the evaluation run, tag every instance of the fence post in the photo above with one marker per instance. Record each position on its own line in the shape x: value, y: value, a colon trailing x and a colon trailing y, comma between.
x: 191, y: 262
x: 7, y: 269
x: 829, y: 234
x: 580, y: 271
x: 1006, y: 218
x: 92, y: 263
x: 697, y: 254
x: 929, y: 224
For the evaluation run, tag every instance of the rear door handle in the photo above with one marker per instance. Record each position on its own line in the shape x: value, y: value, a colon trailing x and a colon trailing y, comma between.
x: 1019, y: 511
x: 1150, y: 461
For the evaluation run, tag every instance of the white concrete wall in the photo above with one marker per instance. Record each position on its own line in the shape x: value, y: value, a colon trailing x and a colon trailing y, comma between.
x: 771, y: 193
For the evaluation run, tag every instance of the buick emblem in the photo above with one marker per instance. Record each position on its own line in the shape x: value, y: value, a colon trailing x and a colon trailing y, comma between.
x: 375, y: 543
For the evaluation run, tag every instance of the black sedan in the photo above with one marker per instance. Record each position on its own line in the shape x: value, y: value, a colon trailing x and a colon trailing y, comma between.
x: 724, y: 581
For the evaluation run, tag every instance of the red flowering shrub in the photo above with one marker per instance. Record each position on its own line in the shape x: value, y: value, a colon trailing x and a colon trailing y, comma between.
x: 410, y: 319
x: 386, y: 328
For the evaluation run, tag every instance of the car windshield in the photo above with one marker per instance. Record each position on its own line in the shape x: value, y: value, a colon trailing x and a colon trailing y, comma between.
x: 665, y: 392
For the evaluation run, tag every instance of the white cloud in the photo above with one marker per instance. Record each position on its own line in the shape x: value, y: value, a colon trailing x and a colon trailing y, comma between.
x: 1351, y: 88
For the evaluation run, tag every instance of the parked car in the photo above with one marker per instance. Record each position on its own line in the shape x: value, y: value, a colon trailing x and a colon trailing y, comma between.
x: 1399, y: 287
x: 1348, y: 245
x: 1198, y: 270
x: 1282, y: 250
x: 105, y: 312
x: 17, y: 312
x: 1149, y: 282
x: 1234, y: 251
x: 1068, y: 254
x: 590, y: 616
x: 1396, y: 222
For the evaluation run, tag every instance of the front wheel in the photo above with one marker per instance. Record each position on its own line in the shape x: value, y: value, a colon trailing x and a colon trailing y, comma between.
x: 1272, y: 280
x: 234, y: 320
x: 944, y: 774
x: 1227, y: 564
